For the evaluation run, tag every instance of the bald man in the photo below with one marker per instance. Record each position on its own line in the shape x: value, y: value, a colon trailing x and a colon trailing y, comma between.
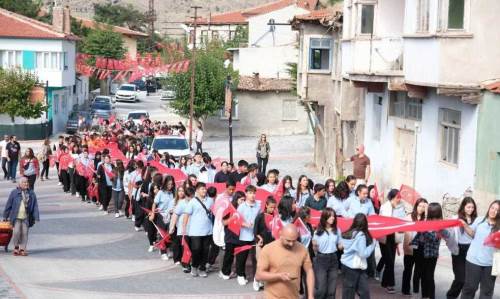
x: 280, y: 263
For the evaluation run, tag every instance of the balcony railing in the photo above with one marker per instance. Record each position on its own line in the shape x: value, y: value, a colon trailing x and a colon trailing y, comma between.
x: 376, y: 56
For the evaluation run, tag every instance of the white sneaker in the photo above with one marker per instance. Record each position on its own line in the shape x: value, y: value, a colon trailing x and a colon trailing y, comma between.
x: 137, y: 229
x: 117, y: 215
x: 120, y: 213
x: 177, y: 263
x: 203, y: 274
x: 101, y: 208
x: 59, y: 184
x: 223, y: 277
x: 242, y: 281
x: 194, y: 272
x: 164, y: 257
x: 151, y: 248
x: 133, y: 218
x: 77, y: 194
x: 105, y: 213
x: 256, y: 285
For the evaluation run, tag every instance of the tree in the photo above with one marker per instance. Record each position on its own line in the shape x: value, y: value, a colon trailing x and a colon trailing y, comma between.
x: 27, y: 8
x: 15, y: 89
x: 120, y: 15
x: 240, y: 37
x: 209, y: 88
x: 292, y: 71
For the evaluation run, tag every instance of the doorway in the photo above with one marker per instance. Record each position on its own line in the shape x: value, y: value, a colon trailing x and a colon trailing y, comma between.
x: 404, y: 158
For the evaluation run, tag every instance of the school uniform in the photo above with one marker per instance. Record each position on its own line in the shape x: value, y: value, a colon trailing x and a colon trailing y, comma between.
x: 458, y: 260
x: 249, y: 213
x: 325, y: 264
x: 337, y: 205
x: 179, y: 230
x: 200, y: 231
x: 164, y: 201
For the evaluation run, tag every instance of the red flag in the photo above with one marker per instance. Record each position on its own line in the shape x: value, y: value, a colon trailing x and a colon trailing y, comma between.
x: 302, y: 228
x: 112, y: 119
x: 315, y: 216
x: 165, y: 238
x: 186, y: 252
x: 276, y: 227
x: 64, y: 161
x: 109, y: 173
x: 235, y: 222
x: 408, y: 194
x: 221, y: 187
x: 221, y: 208
x: 176, y: 173
x: 148, y: 211
x: 278, y: 192
x: 493, y: 240
x: 240, y: 249
x: 52, y: 160
x: 268, y: 219
x: 376, y: 197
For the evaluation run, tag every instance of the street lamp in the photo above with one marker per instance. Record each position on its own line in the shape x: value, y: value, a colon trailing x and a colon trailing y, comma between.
x: 228, y: 108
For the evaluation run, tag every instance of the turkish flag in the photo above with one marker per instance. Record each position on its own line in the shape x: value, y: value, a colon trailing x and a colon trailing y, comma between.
x: 186, y: 252
x: 302, y: 228
x: 408, y: 194
x: 52, y: 160
x: 221, y: 187
x: 276, y: 226
x: 165, y: 238
x: 376, y: 197
x: 222, y: 207
x: 178, y: 175
x: 493, y: 240
x: 268, y: 219
x: 315, y: 217
x: 108, y: 173
x: 278, y: 192
x: 235, y: 223
x: 65, y: 160
x: 240, y: 249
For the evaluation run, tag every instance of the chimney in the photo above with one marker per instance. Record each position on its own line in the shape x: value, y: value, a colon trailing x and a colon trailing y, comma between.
x: 61, y: 20
x: 256, y: 80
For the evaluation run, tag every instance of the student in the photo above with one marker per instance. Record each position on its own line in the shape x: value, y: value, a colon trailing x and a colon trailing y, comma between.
x: 29, y: 167
x: 196, y: 166
x: 318, y: 200
x: 199, y: 217
x: 338, y: 200
x: 326, y: 242
x: 358, y: 246
x: 251, y: 177
x: 135, y: 185
x: 360, y: 203
x: 164, y: 202
x: 393, y: 207
x: 241, y: 172
x: 213, y: 252
x: 104, y: 174
x: 303, y: 191
x: 329, y: 188
x: 118, y: 191
x: 150, y: 188
x: 223, y: 175
x: 262, y: 232
x: 127, y: 176
x: 352, y: 183
x: 249, y: 210
x: 182, y: 198
x: 429, y: 242
x: 271, y: 181
x: 63, y: 169
x: 479, y: 258
x: 467, y: 212
x: 288, y: 188
x: 286, y: 210
x: 411, y: 252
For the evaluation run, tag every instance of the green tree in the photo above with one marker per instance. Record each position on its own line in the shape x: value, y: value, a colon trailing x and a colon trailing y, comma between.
x: 292, y: 71
x: 120, y: 15
x: 209, y: 85
x: 27, y: 8
x: 240, y: 37
x: 15, y: 89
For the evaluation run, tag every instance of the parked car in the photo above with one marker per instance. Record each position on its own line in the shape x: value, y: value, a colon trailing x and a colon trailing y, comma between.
x: 176, y: 146
x: 72, y: 123
x: 137, y: 116
x: 127, y: 92
x: 101, y: 110
x: 168, y: 93
x: 106, y: 99
x: 141, y: 85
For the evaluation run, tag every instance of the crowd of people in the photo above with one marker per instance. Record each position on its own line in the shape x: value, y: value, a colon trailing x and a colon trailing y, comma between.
x: 177, y: 201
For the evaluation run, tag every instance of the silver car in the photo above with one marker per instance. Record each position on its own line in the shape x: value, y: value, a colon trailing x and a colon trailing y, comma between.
x: 101, y: 110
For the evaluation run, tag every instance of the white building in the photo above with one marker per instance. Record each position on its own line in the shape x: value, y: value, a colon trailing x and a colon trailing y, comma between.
x: 419, y: 63
x: 49, y: 52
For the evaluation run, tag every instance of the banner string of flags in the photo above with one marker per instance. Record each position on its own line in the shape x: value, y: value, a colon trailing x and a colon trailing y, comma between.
x: 120, y: 69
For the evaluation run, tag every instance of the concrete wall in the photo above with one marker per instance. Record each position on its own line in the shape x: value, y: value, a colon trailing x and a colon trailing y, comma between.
x: 434, y: 178
x: 487, y: 183
x: 131, y: 45
x: 260, y: 112
x: 269, y: 62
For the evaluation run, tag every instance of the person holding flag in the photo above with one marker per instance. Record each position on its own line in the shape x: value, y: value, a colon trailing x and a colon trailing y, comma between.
x: 251, y: 177
x: 163, y: 206
x: 479, y: 260
x: 249, y: 210
x: 118, y: 191
x: 326, y: 242
x: 105, y: 176
x: 176, y: 229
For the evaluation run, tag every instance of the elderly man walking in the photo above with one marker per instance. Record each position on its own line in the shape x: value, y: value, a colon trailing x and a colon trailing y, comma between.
x: 22, y: 212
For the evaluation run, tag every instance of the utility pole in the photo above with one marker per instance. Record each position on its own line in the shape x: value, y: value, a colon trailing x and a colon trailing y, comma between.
x: 193, y: 76
x: 151, y: 16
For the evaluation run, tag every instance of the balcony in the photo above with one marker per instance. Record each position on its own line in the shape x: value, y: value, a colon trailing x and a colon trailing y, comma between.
x: 372, y: 59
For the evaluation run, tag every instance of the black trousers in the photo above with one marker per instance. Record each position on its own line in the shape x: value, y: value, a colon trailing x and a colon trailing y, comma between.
x: 65, y: 180
x: 418, y: 255
x: 241, y: 260
x: 389, y: 256
x: 213, y: 252
x: 408, y: 262
x: 72, y: 186
x: 4, y: 168
x: 176, y: 246
x: 477, y: 276
x: 199, y: 148
x: 428, y: 285
x: 151, y: 231
x: 355, y: 281
x: 128, y: 203
x: 325, y: 275
x: 105, y: 196
x: 81, y: 186
x: 458, y: 263
x: 162, y: 225
x: 138, y: 212
x: 58, y: 173
x: 45, y: 169
x: 262, y: 162
x: 31, y: 181
x: 227, y: 261
x: 199, y: 246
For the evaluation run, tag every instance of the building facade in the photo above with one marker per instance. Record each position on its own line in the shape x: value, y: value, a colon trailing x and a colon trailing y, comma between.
x: 49, y: 52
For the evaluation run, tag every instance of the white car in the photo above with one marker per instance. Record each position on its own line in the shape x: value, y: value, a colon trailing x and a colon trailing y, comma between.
x: 168, y: 93
x: 176, y: 146
x: 127, y: 92
x: 105, y: 99
x: 137, y: 116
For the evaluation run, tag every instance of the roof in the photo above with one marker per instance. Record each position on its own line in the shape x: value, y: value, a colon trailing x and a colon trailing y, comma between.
x: 13, y: 25
x: 323, y: 16
x: 241, y: 16
x: 91, y: 24
x: 493, y: 86
x: 248, y: 83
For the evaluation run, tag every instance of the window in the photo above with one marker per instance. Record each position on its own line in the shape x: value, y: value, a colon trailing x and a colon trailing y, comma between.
x: 450, y: 121
x: 320, y: 49
x: 367, y: 16
x: 404, y: 107
x: 290, y: 109
x: 204, y: 36
x: 51, y: 60
x: 215, y: 34
x: 234, y: 111
x: 456, y: 10
x: 11, y: 58
x: 423, y: 16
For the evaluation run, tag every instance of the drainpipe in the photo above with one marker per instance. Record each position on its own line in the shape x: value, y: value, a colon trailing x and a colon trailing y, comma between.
x: 417, y: 129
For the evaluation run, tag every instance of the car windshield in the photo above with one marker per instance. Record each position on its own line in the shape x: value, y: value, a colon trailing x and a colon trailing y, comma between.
x: 136, y: 115
x: 101, y: 106
x: 170, y: 144
x: 127, y: 88
x: 101, y: 99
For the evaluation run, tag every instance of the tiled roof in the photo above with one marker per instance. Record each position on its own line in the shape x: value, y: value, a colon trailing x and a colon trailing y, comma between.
x: 88, y: 23
x: 13, y: 25
x: 240, y: 16
x: 248, y: 83
x: 493, y: 86
x: 322, y: 16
